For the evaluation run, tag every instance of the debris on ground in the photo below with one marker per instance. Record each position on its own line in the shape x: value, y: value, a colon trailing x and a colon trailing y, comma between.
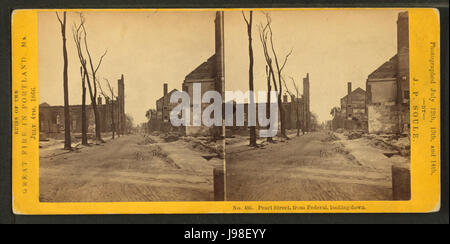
x: 206, y: 145
x: 354, y: 135
x: 209, y: 156
x: 330, y: 137
x: 400, y: 144
x: 147, y: 140
x: 171, y: 138
x: 339, y: 130
x: 390, y: 154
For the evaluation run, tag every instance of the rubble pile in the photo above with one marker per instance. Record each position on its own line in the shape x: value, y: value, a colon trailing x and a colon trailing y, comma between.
x: 354, y: 135
x: 339, y: 130
x: 205, y: 144
x: 330, y: 137
x: 147, y: 140
x: 392, y: 142
x: 155, y: 133
x: 171, y: 137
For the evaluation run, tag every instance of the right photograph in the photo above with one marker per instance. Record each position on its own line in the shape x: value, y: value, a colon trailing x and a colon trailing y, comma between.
x: 330, y: 92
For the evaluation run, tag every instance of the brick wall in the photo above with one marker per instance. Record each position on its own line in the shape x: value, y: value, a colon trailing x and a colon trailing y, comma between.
x: 383, y: 119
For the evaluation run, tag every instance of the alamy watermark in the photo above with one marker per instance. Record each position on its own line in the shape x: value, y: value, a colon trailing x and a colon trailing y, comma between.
x: 212, y: 115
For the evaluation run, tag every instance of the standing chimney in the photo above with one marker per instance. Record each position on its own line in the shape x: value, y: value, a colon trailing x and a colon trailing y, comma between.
x: 403, y: 58
x: 165, y: 102
x: 307, y: 114
x: 121, y: 104
x: 165, y: 89
x: 220, y: 52
x: 402, y: 31
x: 99, y: 100
x: 349, y: 99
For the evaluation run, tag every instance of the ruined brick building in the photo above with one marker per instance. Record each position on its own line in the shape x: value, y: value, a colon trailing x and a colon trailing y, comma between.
x: 159, y: 119
x: 51, y: 118
x: 211, y: 76
x: 351, y: 114
x: 298, y: 107
x: 388, y: 88
x: 291, y: 108
x: 384, y: 107
x: 296, y: 112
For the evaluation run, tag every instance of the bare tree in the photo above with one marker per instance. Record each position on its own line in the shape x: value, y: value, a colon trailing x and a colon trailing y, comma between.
x: 84, y: 139
x: 266, y: 37
x: 263, y: 36
x: 269, y: 89
x: 67, y: 137
x: 249, y: 23
x: 111, y: 98
x: 98, y: 134
x: 79, y: 33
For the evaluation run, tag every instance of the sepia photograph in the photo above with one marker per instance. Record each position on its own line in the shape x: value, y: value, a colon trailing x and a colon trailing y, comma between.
x: 105, y: 83
x: 239, y: 105
x: 342, y: 92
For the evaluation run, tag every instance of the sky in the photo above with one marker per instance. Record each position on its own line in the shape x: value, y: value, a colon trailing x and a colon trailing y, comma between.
x: 154, y: 47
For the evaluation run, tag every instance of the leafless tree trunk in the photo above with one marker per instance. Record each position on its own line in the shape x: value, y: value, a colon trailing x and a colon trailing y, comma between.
x: 269, y: 101
x: 279, y: 70
x: 79, y: 32
x: 263, y: 36
x: 266, y: 36
x: 67, y: 137
x: 249, y: 23
x: 84, y: 139
x: 98, y: 134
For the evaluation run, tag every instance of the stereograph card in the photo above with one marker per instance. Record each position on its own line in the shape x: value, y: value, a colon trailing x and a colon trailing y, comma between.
x: 278, y: 110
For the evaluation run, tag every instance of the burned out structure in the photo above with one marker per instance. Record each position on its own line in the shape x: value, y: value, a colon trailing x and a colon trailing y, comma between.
x: 386, y: 101
x: 351, y: 114
x: 51, y: 118
x: 211, y: 76
x: 296, y: 110
x: 388, y: 88
x: 159, y: 119
x: 293, y: 108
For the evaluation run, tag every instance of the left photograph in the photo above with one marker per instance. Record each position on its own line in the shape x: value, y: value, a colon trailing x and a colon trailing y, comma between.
x: 106, y: 80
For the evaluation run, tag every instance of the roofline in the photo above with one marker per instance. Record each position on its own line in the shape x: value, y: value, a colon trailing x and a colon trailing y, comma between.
x: 198, y: 80
x: 381, y: 79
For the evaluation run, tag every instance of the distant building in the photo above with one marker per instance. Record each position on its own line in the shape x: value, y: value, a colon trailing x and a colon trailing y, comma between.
x: 51, y: 118
x: 293, y: 108
x: 296, y: 112
x: 211, y: 76
x: 352, y: 113
x: 159, y: 119
x: 163, y: 105
x: 388, y: 88
x: 152, y: 122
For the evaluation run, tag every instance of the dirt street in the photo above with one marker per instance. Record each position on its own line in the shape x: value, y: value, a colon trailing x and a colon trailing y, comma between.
x: 129, y: 168
x: 312, y: 167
